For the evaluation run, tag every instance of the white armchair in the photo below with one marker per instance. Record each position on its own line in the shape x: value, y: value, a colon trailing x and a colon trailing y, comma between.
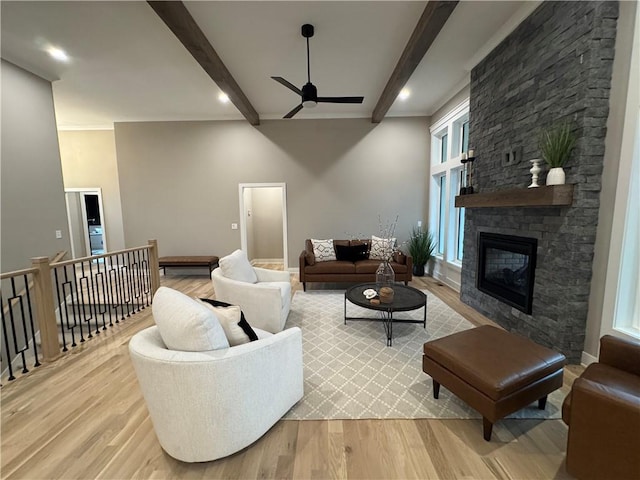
x: 207, y: 405
x: 265, y: 304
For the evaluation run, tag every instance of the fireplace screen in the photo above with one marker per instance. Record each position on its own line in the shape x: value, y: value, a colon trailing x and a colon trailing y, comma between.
x: 506, y: 268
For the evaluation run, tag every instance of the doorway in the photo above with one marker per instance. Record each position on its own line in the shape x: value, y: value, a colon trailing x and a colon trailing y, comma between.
x: 85, y: 215
x: 263, y: 222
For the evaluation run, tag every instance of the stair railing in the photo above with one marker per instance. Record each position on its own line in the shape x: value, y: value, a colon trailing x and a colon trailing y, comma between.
x: 57, y: 305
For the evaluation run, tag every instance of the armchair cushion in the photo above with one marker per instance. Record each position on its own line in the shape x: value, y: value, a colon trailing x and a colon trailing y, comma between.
x: 243, y: 324
x: 236, y: 266
x: 230, y: 319
x: 185, y: 324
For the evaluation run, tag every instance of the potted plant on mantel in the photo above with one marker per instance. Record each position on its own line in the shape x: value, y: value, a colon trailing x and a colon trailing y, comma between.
x: 556, y: 144
x: 421, y: 246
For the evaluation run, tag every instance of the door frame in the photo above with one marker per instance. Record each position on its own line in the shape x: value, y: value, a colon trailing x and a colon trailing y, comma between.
x: 82, y: 191
x: 243, y: 223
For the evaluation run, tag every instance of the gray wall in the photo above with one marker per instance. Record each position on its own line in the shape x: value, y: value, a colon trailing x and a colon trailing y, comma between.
x: 89, y: 161
x: 555, y: 66
x: 32, y: 193
x: 179, y: 180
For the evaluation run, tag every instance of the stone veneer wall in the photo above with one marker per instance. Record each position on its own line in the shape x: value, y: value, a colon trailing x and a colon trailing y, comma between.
x: 555, y: 66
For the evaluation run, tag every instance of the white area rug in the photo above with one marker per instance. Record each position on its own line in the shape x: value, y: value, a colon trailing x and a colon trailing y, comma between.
x: 350, y: 373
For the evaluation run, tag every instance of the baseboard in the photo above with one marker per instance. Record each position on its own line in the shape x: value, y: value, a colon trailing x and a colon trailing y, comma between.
x: 587, y: 359
x: 277, y: 261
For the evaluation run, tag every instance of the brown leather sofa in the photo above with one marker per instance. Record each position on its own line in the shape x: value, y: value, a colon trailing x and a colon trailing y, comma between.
x: 361, y: 271
x: 603, y: 414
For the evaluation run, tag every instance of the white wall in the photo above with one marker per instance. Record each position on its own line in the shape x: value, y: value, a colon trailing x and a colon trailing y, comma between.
x: 179, y: 180
x: 32, y: 192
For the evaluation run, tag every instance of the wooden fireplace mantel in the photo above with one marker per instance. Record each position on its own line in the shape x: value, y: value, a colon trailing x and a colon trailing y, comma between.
x: 545, y: 196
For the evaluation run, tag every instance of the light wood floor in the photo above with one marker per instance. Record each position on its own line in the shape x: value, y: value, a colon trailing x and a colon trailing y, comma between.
x: 83, y: 417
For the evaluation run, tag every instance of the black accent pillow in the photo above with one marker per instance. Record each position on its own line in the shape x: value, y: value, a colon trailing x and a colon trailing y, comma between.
x: 243, y: 324
x: 351, y: 253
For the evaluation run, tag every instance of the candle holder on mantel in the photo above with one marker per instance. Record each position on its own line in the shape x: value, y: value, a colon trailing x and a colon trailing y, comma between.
x: 535, y: 171
x: 463, y: 174
x: 466, y: 176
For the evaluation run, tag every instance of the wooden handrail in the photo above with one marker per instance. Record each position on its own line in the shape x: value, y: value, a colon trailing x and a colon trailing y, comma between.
x: 104, y: 255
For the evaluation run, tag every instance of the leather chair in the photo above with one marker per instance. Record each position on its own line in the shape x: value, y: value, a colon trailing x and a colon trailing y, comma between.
x: 603, y: 414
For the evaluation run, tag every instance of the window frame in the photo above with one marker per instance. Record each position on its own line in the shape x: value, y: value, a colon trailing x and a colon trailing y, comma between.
x: 450, y: 128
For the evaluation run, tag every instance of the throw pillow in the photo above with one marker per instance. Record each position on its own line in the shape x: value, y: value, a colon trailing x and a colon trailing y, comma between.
x: 323, y: 250
x: 352, y: 253
x: 236, y: 266
x: 229, y: 317
x: 381, y: 248
x: 243, y: 324
x: 185, y: 324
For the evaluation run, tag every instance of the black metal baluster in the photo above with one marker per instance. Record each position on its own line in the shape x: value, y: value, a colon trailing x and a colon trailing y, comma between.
x: 110, y: 292
x: 99, y: 277
x: 5, y: 334
x: 33, y: 330
x: 115, y: 287
x: 147, y: 277
x: 138, y: 281
x: 62, y: 320
x: 75, y: 305
x: 124, y: 270
x: 83, y: 286
x: 120, y: 287
x: 68, y: 285
x: 17, y: 349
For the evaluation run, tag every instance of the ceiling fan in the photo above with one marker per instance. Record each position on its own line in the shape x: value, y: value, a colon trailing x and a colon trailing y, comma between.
x: 309, y: 92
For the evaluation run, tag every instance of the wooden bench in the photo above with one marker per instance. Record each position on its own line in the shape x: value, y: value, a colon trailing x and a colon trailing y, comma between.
x: 210, y: 262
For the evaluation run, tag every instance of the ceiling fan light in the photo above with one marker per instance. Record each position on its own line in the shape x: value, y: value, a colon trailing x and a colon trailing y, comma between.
x: 309, y: 104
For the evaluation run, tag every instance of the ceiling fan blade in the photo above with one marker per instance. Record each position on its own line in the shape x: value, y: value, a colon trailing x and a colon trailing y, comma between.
x: 293, y: 112
x: 288, y: 84
x: 340, y: 99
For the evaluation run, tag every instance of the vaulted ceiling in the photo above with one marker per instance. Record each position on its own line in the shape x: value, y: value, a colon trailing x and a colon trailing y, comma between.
x: 125, y: 64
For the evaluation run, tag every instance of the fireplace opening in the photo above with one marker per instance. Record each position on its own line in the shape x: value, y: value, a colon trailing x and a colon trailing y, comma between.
x: 506, y: 268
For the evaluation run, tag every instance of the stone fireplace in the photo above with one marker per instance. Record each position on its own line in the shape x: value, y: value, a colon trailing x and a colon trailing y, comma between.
x: 556, y: 66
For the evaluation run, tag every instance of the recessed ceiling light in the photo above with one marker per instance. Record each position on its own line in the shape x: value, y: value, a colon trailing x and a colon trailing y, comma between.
x: 223, y: 97
x: 404, y: 94
x: 58, y: 54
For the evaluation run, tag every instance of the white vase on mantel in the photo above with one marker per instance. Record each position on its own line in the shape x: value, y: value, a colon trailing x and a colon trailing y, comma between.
x: 555, y: 176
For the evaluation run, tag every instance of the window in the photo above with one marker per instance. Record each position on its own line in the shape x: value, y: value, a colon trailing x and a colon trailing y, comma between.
x: 442, y: 213
x: 465, y: 137
x: 449, y: 139
x: 443, y: 148
x: 460, y: 234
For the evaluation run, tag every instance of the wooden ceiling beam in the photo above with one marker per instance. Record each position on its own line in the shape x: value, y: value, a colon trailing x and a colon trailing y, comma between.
x: 435, y: 15
x: 176, y: 16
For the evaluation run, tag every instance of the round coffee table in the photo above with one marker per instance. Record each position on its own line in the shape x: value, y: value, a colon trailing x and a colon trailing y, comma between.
x: 404, y: 299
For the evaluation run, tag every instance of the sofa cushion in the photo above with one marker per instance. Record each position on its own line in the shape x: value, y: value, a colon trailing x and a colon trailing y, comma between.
x: 185, y: 324
x: 243, y: 324
x: 336, y: 266
x: 351, y: 253
x: 236, y: 266
x: 308, y: 252
x: 370, y: 266
x: 323, y: 250
x: 381, y: 248
x: 367, y: 266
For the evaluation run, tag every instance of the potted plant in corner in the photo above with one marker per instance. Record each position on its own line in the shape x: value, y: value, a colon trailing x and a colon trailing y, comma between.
x: 420, y: 246
x: 556, y: 144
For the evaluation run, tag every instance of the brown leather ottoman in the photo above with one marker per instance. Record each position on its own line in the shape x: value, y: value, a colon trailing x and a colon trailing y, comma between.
x: 494, y: 371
